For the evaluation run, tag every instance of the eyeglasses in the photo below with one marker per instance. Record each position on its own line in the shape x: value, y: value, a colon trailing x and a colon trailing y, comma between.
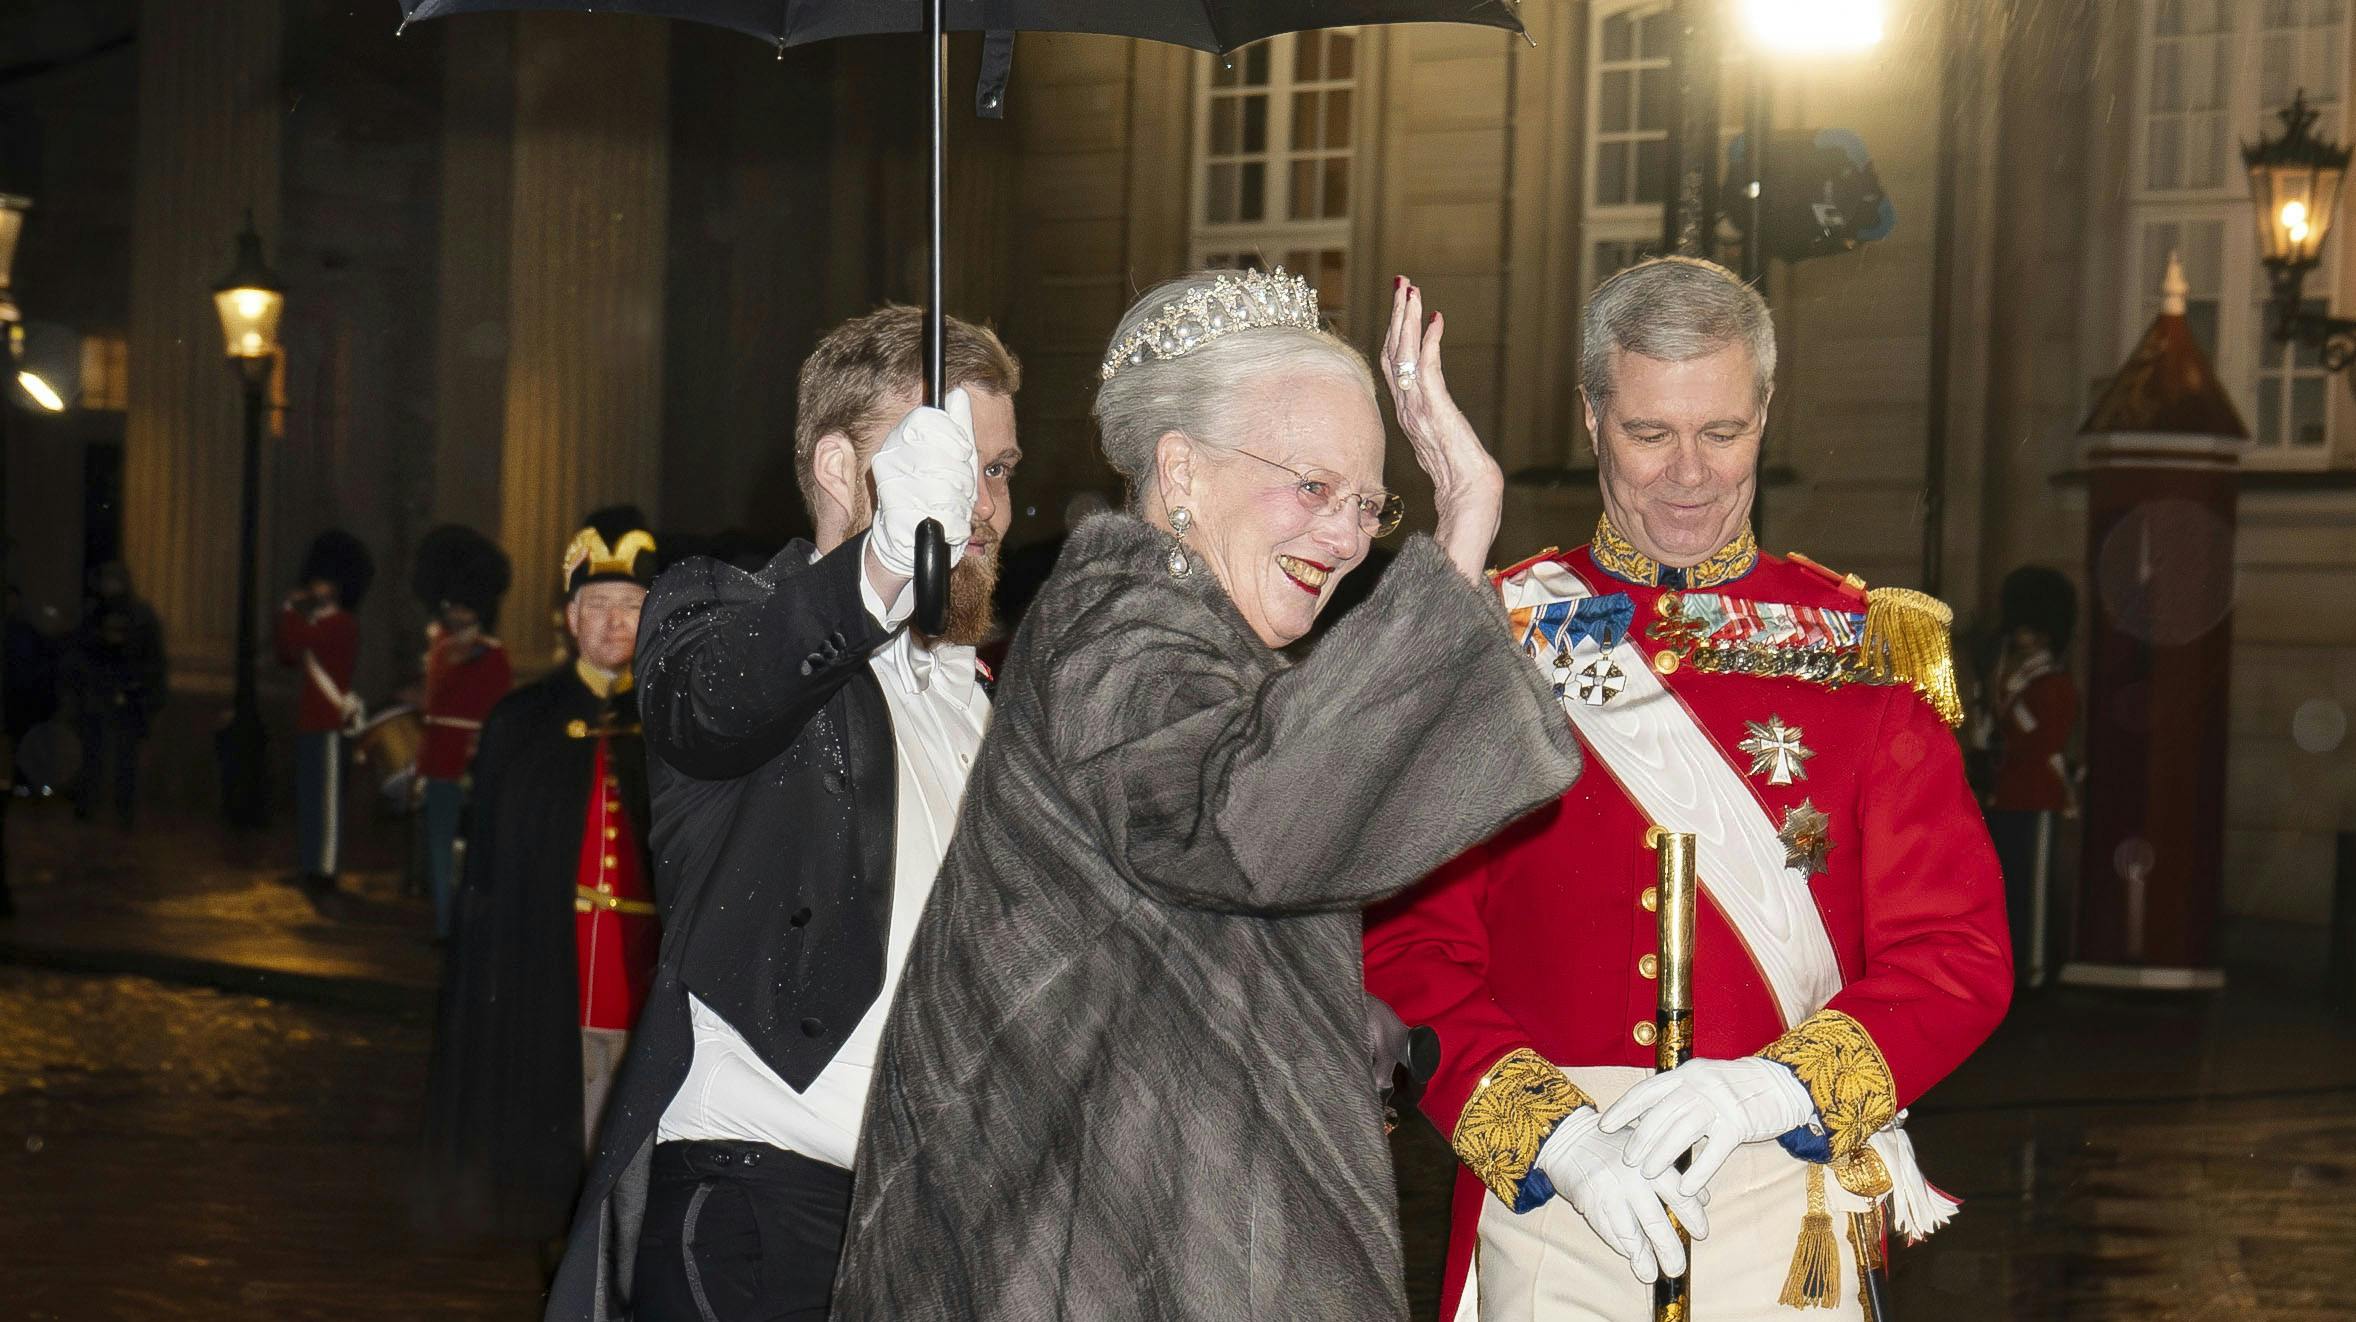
x: 1321, y: 492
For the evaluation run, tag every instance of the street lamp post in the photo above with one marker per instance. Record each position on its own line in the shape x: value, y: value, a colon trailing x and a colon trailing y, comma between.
x: 12, y: 224
x: 2295, y: 184
x: 249, y: 300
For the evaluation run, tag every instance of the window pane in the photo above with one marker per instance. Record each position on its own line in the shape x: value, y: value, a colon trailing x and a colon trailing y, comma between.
x: 2274, y: 72
x: 2307, y: 411
x: 2281, y: 14
x: 2163, y: 165
x: 1252, y: 203
x: 1341, y: 56
x: 1652, y: 170
x: 1222, y: 73
x: 1226, y: 127
x: 1255, y: 125
x: 1615, y: 99
x: 1304, y: 129
x: 2200, y: 317
x: 2167, y: 77
x: 2208, y: 152
x: 2168, y: 18
x: 1652, y: 99
x: 1611, y: 174
x: 1653, y: 39
x: 2269, y: 410
x: 1619, y: 38
x: 1333, y: 283
x: 1255, y: 65
x: 1337, y: 118
x: 1307, y: 48
x: 1302, y: 205
x: 1222, y: 194
x: 1337, y: 188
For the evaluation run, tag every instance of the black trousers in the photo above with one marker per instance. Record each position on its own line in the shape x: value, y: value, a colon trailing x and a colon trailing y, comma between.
x: 740, y: 1232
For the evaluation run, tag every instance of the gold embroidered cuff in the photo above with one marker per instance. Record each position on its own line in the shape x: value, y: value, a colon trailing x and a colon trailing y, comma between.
x: 1846, y: 1077
x: 1513, y: 1109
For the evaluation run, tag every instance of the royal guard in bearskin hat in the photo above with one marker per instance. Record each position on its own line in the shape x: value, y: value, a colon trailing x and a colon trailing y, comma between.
x: 461, y: 575
x: 2031, y: 712
x: 556, y: 930
x: 319, y: 636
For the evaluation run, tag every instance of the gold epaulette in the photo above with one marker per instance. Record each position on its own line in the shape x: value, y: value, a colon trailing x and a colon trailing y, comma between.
x: 1907, y: 641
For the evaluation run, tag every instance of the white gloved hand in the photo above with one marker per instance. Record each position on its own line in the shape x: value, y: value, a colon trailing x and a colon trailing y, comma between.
x: 1710, y: 1107
x: 925, y: 470
x: 1590, y: 1169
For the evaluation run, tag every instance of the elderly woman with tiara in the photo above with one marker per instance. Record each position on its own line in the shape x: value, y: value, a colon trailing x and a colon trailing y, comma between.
x: 1126, y: 1075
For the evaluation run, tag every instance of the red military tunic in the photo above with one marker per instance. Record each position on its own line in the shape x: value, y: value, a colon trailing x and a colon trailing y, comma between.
x: 330, y: 641
x: 2036, y: 709
x: 615, y: 929
x: 465, y: 677
x: 1545, y: 938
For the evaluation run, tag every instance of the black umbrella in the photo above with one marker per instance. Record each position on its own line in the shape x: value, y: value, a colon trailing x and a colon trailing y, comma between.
x: 1218, y: 26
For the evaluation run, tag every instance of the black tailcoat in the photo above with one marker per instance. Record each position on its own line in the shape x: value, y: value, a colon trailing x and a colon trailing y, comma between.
x: 771, y: 764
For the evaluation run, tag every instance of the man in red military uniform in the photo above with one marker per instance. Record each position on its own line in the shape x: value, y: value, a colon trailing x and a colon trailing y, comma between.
x: 318, y: 634
x: 556, y: 934
x: 1849, y: 948
x: 461, y: 575
x: 2032, y: 711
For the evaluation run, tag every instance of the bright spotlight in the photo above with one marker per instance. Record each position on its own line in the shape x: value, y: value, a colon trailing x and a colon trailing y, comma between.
x: 1814, y: 27
x: 42, y: 392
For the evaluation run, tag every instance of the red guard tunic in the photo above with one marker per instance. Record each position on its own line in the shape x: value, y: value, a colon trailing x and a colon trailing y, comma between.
x: 2037, y: 707
x: 615, y: 927
x: 1545, y: 938
x: 465, y: 677
x: 331, y: 640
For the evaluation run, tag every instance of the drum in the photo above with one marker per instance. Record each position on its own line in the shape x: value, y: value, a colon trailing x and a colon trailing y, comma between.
x: 388, y: 745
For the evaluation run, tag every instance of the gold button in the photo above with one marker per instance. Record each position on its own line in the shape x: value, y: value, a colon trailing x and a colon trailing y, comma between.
x: 1668, y: 604
x: 1664, y: 662
x: 605, y: 888
x: 613, y: 805
x: 1650, y: 899
x: 612, y: 831
x: 610, y: 860
x: 1645, y: 1033
x: 1649, y: 966
x: 613, y: 782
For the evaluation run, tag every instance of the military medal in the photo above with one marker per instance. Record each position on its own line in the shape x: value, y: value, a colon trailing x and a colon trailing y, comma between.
x: 1600, y: 681
x: 1807, y: 837
x: 1776, y: 751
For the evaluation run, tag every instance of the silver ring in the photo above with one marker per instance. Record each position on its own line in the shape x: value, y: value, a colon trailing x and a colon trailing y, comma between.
x: 1404, y: 370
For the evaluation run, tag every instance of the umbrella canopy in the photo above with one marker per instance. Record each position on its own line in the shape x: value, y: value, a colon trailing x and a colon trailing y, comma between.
x: 1211, y: 25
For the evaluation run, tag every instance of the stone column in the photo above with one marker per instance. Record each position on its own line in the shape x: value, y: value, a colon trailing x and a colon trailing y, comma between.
x: 207, y: 149
x: 589, y: 204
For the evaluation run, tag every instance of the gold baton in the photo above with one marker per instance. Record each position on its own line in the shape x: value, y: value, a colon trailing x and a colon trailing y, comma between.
x: 1673, y: 1022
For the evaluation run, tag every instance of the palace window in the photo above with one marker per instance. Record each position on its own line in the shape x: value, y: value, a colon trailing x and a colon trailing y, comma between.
x: 1629, y: 95
x: 1275, y: 148
x: 2210, y: 75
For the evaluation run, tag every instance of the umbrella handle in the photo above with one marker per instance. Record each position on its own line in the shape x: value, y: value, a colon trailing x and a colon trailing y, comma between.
x: 932, y: 546
x: 932, y: 577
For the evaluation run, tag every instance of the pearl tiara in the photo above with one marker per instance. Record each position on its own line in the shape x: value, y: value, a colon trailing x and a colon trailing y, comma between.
x: 1236, y: 301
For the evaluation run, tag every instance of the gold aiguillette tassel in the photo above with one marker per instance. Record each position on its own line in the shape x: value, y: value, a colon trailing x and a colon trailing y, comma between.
x: 1814, y: 1280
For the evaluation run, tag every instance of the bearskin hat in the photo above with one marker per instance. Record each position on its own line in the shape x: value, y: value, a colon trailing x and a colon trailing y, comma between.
x: 341, y: 559
x: 2035, y: 597
x: 457, y: 564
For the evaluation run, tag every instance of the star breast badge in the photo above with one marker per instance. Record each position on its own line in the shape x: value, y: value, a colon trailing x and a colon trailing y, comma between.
x: 1807, y: 837
x: 1776, y: 751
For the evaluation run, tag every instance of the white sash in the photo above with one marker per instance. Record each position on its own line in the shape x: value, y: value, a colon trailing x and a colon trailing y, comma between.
x: 1682, y: 781
x: 355, y: 712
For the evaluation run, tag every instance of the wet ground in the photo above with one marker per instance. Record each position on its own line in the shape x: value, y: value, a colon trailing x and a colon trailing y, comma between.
x: 178, y: 1151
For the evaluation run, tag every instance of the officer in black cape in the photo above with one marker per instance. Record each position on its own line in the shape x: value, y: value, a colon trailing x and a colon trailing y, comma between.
x: 555, y: 930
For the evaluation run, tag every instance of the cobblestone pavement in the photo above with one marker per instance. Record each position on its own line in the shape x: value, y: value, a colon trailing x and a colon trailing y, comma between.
x: 173, y: 1151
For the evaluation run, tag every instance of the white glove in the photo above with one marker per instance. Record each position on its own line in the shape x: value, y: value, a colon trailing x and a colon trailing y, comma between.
x: 1710, y: 1107
x: 1630, y: 1212
x: 925, y: 470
